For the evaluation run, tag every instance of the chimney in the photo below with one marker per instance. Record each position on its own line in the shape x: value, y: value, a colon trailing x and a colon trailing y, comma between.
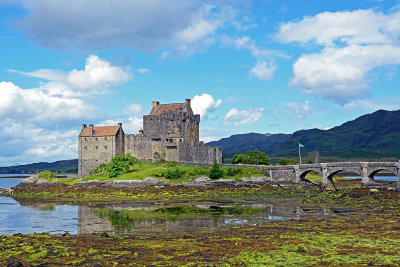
x: 83, y: 126
x: 187, y: 101
x: 91, y: 129
x: 154, y: 104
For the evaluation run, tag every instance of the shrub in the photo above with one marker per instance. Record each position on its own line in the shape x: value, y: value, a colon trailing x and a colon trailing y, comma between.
x: 285, y: 161
x: 172, y: 164
x: 48, y: 175
x: 216, y: 171
x: 232, y: 171
x: 100, y: 170
x: 174, y: 174
x: 121, y: 164
x: 251, y: 157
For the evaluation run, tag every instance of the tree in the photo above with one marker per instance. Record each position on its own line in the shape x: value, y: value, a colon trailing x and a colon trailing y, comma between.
x: 285, y: 161
x: 216, y: 171
x: 251, y: 157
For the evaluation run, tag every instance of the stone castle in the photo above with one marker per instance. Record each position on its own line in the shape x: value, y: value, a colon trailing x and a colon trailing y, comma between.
x: 170, y: 132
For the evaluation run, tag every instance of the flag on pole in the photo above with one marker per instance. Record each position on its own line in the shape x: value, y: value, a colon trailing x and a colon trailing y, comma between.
x: 300, y: 145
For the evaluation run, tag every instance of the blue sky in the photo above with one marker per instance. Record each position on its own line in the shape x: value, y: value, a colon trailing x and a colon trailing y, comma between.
x: 249, y: 66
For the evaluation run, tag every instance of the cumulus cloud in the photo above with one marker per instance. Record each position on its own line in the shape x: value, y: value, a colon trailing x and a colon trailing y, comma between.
x: 101, y: 24
x: 263, y: 70
x: 297, y: 111
x: 36, y: 123
x: 133, y: 109
x: 98, y: 73
x: 203, y: 104
x: 37, y: 106
x: 237, y: 117
x: 96, y: 78
x: 131, y: 125
x: 353, y: 43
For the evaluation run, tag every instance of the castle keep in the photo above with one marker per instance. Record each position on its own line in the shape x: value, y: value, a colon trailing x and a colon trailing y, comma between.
x: 170, y: 132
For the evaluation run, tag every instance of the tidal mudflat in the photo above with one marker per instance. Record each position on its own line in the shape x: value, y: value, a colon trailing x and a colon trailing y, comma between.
x: 352, y: 226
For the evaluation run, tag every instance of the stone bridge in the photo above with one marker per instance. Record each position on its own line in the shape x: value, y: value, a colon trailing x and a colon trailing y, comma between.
x: 367, y: 170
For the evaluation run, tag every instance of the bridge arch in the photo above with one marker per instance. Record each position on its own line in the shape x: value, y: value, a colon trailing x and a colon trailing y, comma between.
x: 332, y: 173
x: 372, y: 173
x: 304, y: 173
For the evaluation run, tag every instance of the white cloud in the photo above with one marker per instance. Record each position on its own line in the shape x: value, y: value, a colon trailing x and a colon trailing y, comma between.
x: 131, y: 125
x: 37, y: 106
x: 203, y: 104
x: 99, y: 24
x: 369, y: 105
x: 353, y: 44
x: 98, y: 74
x: 263, y: 70
x: 297, y: 111
x: 35, y: 124
x: 208, y: 134
x: 133, y: 109
x: 243, y: 117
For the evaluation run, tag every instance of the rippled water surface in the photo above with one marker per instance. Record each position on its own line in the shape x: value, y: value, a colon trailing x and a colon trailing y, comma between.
x: 141, y: 219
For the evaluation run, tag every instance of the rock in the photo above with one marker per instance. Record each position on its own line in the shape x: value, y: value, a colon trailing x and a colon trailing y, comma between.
x: 91, y: 183
x: 33, y: 179
x: 148, y: 181
x: 202, y: 179
x: 153, y: 180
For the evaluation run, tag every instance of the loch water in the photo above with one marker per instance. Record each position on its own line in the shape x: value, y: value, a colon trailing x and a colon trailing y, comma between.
x: 53, y: 218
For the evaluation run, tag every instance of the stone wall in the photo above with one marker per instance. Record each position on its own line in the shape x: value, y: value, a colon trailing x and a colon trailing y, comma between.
x: 179, y: 126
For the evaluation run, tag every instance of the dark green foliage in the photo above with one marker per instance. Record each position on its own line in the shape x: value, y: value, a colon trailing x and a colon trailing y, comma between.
x: 375, y: 135
x: 103, y: 168
x: 216, y: 172
x: 287, y: 161
x: 121, y: 164
x: 232, y: 171
x: 64, y: 166
x: 240, y: 143
x: 174, y: 174
x: 251, y: 157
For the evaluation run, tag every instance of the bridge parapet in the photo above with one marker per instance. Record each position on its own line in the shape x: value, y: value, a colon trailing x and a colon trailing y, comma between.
x: 367, y: 170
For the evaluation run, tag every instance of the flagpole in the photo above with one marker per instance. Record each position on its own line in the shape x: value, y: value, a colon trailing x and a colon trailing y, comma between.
x: 299, y: 154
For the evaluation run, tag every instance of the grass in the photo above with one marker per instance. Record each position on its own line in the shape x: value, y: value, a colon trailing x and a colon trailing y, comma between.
x: 160, y: 170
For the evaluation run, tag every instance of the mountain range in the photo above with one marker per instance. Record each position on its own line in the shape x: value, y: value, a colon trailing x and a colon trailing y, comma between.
x: 375, y: 135
x: 371, y: 136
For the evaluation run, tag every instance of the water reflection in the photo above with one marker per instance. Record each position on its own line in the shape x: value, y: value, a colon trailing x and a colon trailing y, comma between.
x: 142, y: 219
x: 129, y: 221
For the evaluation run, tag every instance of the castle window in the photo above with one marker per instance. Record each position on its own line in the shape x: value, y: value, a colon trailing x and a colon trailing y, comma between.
x: 85, y: 147
x: 96, y: 139
x: 105, y: 147
x: 105, y: 138
x: 97, y: 147
x: 85, y: 139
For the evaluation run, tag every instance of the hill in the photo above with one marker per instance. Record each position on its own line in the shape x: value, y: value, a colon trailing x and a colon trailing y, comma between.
x: 240, y: 143
x: 62, y: 166
x: 375, y: 135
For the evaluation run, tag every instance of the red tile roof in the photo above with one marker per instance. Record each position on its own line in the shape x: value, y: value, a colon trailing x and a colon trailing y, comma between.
x: 165, y: 107
x: 100, y: 131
